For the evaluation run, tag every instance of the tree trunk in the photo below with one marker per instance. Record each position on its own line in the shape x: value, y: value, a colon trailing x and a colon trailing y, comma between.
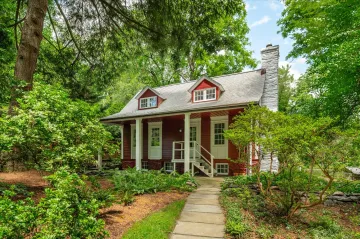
x: 28, y: 52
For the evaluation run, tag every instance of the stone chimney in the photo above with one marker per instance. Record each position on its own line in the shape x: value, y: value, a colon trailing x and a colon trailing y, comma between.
x: 270, y: 63
x: 270, y: 98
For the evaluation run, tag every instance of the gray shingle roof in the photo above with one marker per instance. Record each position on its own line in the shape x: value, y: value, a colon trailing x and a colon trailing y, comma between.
x: 240, y: 89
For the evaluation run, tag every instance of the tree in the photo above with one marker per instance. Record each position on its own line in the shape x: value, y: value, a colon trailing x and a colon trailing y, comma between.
x: 327, y: 34
x: 297, y: 141
x: 285, y: 89
x: 172, y: 29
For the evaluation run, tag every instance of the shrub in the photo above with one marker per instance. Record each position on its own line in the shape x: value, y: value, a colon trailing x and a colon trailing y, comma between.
x: 140, y: 182
x: 68, y: 210
x: 346, y: 186
x: 17, y: 218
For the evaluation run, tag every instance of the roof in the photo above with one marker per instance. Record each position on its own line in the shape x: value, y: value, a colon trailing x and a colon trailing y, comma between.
x: 139, y: 94
x: 239, y: 89
x: 201, y: 79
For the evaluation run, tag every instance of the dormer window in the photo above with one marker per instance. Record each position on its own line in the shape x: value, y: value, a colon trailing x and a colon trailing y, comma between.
x: 205, y: 94
x: 148, y: 102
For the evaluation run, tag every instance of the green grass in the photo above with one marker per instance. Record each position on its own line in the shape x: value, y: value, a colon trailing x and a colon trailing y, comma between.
x: 158, y: 225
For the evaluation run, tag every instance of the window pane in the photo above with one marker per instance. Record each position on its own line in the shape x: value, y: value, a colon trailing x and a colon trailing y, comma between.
x: 210, y: 94
x: 219, y: 133
x: 153, y: 101
x: 134, y: 138
x: 143, y: 103
x: 155, y: 137
x: 199, y: 95
x: 169, y: 166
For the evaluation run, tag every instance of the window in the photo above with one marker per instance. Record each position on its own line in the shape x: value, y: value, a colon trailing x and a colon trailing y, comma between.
x: 145, y: 165
x: 134, y: 137
x: 205, y: 95
x: 192, y: 136
x: 155, y: 137
x: 219, y: 133
x: 169, y: 167
x: 149, y: 102
x: 222, y: 168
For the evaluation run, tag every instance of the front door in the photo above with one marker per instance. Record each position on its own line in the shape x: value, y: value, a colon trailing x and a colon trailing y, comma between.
x: 155, y: 140
x: 194, y: 137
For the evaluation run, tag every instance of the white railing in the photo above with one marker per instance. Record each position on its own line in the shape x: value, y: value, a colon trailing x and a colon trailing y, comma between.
x: 178, y: 146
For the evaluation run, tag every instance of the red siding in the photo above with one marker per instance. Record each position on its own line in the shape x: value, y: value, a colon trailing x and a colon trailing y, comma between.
x: 127, y: 141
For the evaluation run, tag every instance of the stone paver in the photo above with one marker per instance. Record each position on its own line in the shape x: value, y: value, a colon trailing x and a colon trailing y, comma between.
x: 202, y: 216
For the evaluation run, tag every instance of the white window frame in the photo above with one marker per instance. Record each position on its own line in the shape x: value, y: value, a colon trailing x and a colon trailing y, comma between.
x: 171, y: 165
x: 204, y: 92
x: 148, y: 102
x: 145, y: 165
x: 150, y: 126
x: 220, y: 164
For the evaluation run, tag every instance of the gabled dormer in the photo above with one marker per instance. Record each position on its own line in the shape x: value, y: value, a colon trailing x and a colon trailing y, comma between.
x: 149, y: 98
x: 205, y: 89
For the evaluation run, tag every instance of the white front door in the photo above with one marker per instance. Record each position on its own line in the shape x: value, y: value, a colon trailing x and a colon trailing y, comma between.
x: 155, y: 140
x: 219, y: 145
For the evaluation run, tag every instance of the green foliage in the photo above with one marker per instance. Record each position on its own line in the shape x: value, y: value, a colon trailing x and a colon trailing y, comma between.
x: 285, y: 90
x: 51, y: 130
x: 326, y: 34
x: 346, y: 186
x: 17, y: 218
x: 297, y: 142
x: 158, y: 225
x: 69, y: 209
x: 18, y: 189
x: 140, y: 182
x: 325, y: 227
x: 235, y: 222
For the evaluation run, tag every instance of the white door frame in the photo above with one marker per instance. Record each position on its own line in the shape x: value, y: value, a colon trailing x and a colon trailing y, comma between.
x: 151, y: 154
x: 219, y: 151
x: 196, y: 123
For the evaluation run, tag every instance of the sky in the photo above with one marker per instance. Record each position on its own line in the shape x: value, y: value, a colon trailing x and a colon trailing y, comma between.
x: 262, y: 17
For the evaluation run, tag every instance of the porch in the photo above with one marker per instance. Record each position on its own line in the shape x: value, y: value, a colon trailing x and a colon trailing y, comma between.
x: 189, y: 142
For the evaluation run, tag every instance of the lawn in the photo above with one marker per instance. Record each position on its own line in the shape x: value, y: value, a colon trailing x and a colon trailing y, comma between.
x: 158, y: 225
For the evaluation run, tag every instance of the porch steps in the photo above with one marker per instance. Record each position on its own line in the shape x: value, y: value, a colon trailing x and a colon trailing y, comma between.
x: 202, y: 168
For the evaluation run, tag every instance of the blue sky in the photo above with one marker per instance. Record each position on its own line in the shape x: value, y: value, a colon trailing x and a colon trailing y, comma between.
x: 262, y: 17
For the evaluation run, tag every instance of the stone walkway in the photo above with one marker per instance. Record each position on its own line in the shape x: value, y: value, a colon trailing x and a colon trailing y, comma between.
x: 202, y: 216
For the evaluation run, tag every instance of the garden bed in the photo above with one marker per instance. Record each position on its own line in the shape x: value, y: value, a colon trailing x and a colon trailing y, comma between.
x: 118, y: 217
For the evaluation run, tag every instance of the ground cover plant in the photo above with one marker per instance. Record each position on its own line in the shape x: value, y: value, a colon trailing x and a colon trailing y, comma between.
x: 249, y: 215
x: 158, y: 225
x: 131, y: 182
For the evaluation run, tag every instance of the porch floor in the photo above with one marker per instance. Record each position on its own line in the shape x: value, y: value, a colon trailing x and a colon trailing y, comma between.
x: 202, y: 216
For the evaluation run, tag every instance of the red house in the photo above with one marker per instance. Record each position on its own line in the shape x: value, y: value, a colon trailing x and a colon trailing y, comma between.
x: 180, y: 126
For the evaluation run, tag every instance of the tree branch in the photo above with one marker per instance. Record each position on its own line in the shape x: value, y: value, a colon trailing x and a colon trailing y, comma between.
x: 71, y: 33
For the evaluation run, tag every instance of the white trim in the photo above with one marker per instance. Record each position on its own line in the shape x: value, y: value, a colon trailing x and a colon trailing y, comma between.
x: 239, y: 106
x: 201, y: 79
x: 215, y: 148
x: 217, y: 171
x: 150, y: 125
x: 148, y: 102
x: 204, y: 94
x: 132, y: 148
x: 187, y: 142
x: 138, y: 143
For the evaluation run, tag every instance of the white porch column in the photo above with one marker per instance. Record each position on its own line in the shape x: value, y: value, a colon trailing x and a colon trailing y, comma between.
x: 138, y: 143
x: 187, y: 142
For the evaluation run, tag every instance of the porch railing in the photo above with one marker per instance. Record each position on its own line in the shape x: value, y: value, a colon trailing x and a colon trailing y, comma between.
x: 179, y: 149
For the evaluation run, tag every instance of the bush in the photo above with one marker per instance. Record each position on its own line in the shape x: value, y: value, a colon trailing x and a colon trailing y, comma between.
x: 68, y: 210
x: 346, y: 186
x: 140, y: 182
x: 17, y: 218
